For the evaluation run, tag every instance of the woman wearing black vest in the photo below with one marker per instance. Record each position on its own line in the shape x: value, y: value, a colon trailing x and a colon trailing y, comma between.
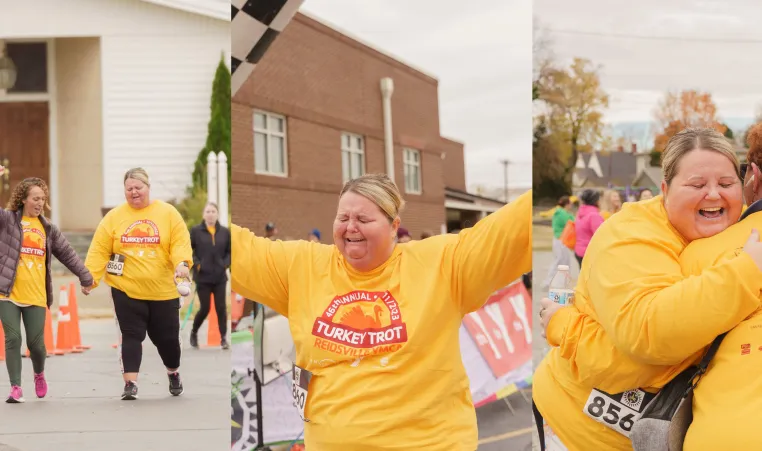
x: 211, y: 258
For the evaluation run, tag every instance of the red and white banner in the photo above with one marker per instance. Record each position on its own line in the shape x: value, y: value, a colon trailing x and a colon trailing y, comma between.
x: 502, y: 329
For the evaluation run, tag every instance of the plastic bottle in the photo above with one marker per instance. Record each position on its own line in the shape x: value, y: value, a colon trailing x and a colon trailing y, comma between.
x: 561, y: 289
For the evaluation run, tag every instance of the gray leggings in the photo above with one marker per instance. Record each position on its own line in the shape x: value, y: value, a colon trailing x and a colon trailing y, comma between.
x: 34, y: 324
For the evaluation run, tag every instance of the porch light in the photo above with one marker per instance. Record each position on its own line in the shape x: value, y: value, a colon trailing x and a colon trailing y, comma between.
x: 7, y: 72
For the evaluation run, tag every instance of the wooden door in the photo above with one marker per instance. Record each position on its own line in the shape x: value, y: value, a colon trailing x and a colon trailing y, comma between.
x: 24, y: 131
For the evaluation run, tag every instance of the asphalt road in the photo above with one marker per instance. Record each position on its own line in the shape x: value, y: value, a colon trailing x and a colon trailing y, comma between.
x: 501, y: 430
x: 83, y: 411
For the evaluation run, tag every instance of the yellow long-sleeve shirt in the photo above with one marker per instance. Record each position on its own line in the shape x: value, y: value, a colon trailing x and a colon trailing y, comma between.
x: 383, y: 345
x: 727, y: 402
x: 151, y: 241
x: 637, y: 320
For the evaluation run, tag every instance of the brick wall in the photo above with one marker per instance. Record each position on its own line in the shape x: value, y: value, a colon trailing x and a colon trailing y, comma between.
x: 325, y: 83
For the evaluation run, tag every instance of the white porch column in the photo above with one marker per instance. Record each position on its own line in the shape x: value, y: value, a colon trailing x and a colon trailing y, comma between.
x: 54, y: 179
x: 211, y: 177
x: 222, y: 187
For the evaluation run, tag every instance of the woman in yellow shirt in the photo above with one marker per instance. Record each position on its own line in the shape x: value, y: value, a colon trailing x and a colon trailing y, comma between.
x: 375, y: 323
x: 726, y: 400
x: 141, y: 247
x: 633, y: 286
x: 28, y: 241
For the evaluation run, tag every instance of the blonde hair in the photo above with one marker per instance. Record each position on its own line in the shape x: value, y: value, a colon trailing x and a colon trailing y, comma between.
x: 691, y: 139
x: 138, y: 174
x: 379, y: 189
x: 607, y: 203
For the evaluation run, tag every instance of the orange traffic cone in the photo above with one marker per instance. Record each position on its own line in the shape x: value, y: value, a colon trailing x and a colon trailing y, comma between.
x: 213, y: 330
x: 76, y: 337
x: 64, y: 335
x: 2, y: 343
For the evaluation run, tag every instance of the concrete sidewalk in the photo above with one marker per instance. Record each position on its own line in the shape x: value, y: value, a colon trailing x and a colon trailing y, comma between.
x: 83, y: 411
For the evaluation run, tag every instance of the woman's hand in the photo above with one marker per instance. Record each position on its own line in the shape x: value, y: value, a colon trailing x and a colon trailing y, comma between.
x: 87, y: 290
x: 182, y: 271
x: 547, y: 309
x: 754, y: 248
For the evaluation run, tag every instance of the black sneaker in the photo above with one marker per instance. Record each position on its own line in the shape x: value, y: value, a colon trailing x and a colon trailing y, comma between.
x: 130, y: 392
x: 194, y: 340
x: 175, y: 384
x: 224, y: 344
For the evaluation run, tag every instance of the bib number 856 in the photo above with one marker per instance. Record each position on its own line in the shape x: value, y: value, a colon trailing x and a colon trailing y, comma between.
x: 596, y: 409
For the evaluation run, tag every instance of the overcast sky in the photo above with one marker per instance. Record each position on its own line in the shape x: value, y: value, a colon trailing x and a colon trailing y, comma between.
x: 720, y: 50
x: 482, y: 57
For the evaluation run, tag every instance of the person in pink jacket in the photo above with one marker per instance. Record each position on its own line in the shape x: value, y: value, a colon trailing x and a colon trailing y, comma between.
x: 588, y: 220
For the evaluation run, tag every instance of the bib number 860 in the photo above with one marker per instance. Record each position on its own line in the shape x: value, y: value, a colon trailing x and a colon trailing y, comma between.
x: 596, y: 409
x: 299, y: 397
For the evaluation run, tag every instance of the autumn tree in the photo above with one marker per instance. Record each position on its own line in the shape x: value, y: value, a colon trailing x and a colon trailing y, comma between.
x: 757, y: 120
x: 677, y: 111
x: 548, y: 170
x: 575, y: 101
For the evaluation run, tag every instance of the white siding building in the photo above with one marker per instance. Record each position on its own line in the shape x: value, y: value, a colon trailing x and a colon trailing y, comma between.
x: 105, y: 85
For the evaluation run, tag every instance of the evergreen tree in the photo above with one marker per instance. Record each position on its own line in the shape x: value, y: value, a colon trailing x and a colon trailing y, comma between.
x: 218, y: 135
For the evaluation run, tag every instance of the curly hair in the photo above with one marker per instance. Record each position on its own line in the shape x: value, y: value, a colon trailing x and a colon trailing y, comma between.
x: 21, y: 191
x: 754, y: 141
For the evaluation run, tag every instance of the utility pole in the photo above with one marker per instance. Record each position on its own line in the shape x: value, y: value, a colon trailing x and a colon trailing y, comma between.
x: 505, y: 177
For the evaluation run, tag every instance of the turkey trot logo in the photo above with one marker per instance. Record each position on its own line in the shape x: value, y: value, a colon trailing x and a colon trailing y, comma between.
x: 33, y: 244
x: 361, y: 323
x: 141, y: 233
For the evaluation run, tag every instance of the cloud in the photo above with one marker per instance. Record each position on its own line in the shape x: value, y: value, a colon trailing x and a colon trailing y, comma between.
x: 636, y: 71
x: 482, y: 58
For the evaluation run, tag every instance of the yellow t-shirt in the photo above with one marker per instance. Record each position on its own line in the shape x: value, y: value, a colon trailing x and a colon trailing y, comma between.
x: 634, y: 322
x: 727, y: 403
x: 29, y: 286
x: 383, y: 346
x: 152, y: 242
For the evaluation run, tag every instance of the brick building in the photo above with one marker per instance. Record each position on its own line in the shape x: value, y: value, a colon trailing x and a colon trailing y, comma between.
x: 311, y: 116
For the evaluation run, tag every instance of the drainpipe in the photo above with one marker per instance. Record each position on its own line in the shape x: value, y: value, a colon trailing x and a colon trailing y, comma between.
x: 387, y: 88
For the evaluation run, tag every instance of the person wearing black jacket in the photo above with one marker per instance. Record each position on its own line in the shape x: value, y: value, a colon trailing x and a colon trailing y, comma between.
x: 211, y: 258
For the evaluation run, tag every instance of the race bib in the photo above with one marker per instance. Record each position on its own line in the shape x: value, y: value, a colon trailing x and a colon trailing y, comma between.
x: 618, y: 412
x: 115, y: 265
x: 300, y: 384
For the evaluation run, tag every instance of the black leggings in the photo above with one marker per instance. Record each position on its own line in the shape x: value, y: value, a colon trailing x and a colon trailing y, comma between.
x: 160, y: 319
x: 205, y: 292
x: 538, y: 421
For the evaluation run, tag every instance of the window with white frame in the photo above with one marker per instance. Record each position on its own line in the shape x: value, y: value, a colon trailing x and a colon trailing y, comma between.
x: 269, y: 144
x: 352, y: 156
x: 412, y: 165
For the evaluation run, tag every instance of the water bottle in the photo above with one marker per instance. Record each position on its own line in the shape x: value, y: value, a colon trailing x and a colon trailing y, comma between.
x: 562, y: 287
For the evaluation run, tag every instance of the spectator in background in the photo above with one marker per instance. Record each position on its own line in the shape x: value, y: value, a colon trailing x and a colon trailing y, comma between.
x: 210, y: 242
x: 314, y: 236
x: 270, y: 231
x: 611, y: 202
x: 403, y: 236
x: 561, y: 255
x: 589, y: 218
x: 646, y: 194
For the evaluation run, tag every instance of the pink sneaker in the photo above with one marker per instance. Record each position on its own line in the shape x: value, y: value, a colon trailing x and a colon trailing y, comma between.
x: 16, y: 395
x: 40, y: 386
